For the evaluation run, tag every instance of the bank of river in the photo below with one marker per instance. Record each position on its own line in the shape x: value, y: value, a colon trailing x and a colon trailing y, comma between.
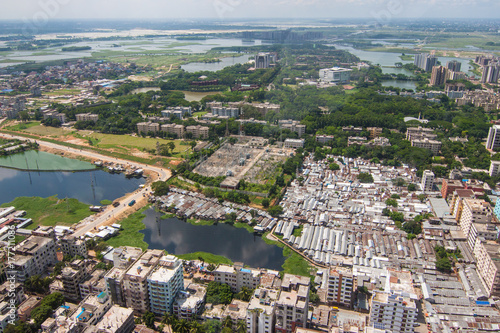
x: 179, y: 237
x: 42, y: 161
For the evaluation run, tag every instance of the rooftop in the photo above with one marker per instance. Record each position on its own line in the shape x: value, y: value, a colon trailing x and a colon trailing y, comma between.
x: 114, y: 318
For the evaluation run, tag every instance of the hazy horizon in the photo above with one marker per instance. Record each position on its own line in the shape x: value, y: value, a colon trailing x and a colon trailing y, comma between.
x: 385, y: 10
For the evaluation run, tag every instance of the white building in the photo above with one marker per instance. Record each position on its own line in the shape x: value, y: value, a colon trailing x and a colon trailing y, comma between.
x: 33, y: 256
x: 189, y: 302
x: 261, y: 311
x: 335, y: 74
x: 164, y: 284
x: 494, y: 168
x: 292, y: 305
x: 237, y: 276
x: 393, y: 312
x: 294, y: 143
x: 87, y: 117
x: 427, y: 183
x: 73, y: 246
x: 117, y: 320
x: 493, y: 140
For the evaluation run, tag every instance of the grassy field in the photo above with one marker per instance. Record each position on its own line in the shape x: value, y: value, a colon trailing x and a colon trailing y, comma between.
x: 207, y: 257
x: 51, y: 211
x: 407, y: 57
x: 63, y: 92
x: 130, y: 235
x: 199, y: 114
x: 23, y: 126
x: 36, y: 128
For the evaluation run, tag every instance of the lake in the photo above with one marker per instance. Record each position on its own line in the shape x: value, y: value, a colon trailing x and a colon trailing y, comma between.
x: 39, y: 160
x: 402, y: 84
x: 179, y: 237
x: 215, y: 66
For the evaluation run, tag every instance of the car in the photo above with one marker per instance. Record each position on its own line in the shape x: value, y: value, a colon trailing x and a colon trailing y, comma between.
x: 131, y: 203
x: 116, y: 204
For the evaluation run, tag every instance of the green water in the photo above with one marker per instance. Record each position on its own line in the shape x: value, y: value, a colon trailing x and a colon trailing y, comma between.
x: 39, y: 160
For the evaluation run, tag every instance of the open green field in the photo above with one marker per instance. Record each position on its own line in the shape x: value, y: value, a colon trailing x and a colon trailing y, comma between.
x: 130, y: 235
x: 51, y: 211
x: 23, y: 126
x: 207, y: 257
x: 63, y: 92
x: 36, y: 128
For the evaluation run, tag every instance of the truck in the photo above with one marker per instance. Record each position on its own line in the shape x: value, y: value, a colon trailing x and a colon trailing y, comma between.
x: 131, y: 203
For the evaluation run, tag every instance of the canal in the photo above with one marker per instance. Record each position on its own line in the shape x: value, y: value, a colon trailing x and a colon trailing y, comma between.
x: 179, y: 237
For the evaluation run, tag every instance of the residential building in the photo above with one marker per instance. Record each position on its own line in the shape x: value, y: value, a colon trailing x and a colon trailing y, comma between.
x: 456, y: 202
x: 73, y: 246
x: 263, y: 60
x: 493, y: 140
x: 55, y: 115
x: 117, y: 320
x: 340, y: 287
x: 114, y: 285
x: 427, y: 183
x: 324, y: 138
x: 135, y: 281
x: 335, y: 75
x: 293, y: 126
x: 432, y: 145
x: 25, y: 308
x: 494, y: 168
x: 237, y: 311
x: 237, y: 276
x: 178, y: 130
x: 164, y: 283
x: 292, y: 305
x: 147, y: 127
x: 71, y: 277
x: 179, y: 112
x: 488, y: 265
x: 425, y: 61
x: 89, y: 312
x: 198, y: 132
x: 482, y: 231
x: 356, y: 140
x: 94, y: 285
x: 189, y: 303
x: 375, y: 132
x: 6, y: 316
x: 439, y: 74
x: 491, y: 73
x: 449, y: 186
x: 87, y: 117
x: 419, y: 133
x: 33, y: 256
x: 261, y: 310
x: 393, y: 312
x: 454, y: 65
x: 124, y: 256
x: 474, y: 211
x: 294, y: 143
x: 226, y: 112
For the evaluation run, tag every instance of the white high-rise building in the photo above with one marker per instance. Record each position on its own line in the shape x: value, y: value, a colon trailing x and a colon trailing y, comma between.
x: 493, y: 140
x: 261, y: 311
x: 164, y: 284
x: 427, y: 181
x: 292, y: 305
x: 393, y: 312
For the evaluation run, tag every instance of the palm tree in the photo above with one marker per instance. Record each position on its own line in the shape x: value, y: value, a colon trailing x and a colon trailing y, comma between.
x: 170, y: 320
x: 245, y: 294
x: 241, y: 326
x: 182, y: 326
x: 228, y: 322
x: 195, y: 327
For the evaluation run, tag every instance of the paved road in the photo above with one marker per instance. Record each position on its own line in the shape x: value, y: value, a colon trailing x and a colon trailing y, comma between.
x: 110, y: 212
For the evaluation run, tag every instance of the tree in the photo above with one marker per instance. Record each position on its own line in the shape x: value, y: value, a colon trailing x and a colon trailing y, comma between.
x: 391, y: 202
x: 245, y: 294
x: 314, y: 298
x: 219, y: 293
x: 275, y: 211
x: 182, y: 326
x: 227, y: 322
x: 412, y: 187
x: 41, y: 313
x: 149, y: 320
x: 334, y: 166
x: 443, y: 265
x: 241, y: 326
x: 171, y: 146
x: 265, y: 202
x: 212, y: 326
x: 160, y: 188
x: 365, y: 177
x: 422, y: 197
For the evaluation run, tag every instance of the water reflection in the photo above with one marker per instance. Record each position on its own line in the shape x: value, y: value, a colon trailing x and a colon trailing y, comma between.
x: 178, y: 237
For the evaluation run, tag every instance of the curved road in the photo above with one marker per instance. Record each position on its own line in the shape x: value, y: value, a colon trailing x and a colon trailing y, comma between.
x: 110, y: 212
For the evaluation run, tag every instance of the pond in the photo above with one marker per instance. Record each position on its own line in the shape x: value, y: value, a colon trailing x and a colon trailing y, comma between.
x: 402, y: 84
x: 215, y: 66
x: 179, y: 237
x: 42, y: 161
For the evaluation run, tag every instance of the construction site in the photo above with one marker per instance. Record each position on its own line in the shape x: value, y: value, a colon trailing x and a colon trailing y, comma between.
x: 250, y: 159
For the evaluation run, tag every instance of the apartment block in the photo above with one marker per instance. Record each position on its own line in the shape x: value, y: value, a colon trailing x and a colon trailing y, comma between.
x: 457, y: 204
x: 324, y: 138
x: 135, y: 281
x: 439, y: 74
x: 87, y: 117
x: 494, y: 168
x: 114, y: 285
x: 432, y: 145
x: 198, y: 132
x: 71, y: 277
x: 164, y: 283
x: 124, y: 256
x: 147, y: 127
x: 94, y: 285
x: 335, y: 75
x: 33, y: 256
x: 427, y: 183
x: 261, y: 311
x: 491, y: 73
x: 419, y: 133
x: 488, y: 265
x: 226, y: 112
x: 292, y: 305
x: 294, y: 143
x: 393, y: 312
x: 73, y: 246
x: 237, y: 311
x: 179, y: 112
x: 341, y: 286
x: 425, y: 61
x: 293, y: 126
x: 117, y: 320
x: 237, y: 276
x: 189, y: 303
x: 89, y: 312
x: 493, y: 140
x: 178, y: 130
x: 375, y: 132
x: 474, y: 211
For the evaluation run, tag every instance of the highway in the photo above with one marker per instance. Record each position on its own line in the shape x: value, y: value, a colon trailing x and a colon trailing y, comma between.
x: 109, y: 214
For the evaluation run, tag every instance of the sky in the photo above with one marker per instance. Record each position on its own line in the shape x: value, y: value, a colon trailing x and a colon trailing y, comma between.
x: 379, y: 10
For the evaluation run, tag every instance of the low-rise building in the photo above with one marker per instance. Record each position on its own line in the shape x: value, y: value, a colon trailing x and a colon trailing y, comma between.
x: 87, y: 117
x: 189, y: 303
x: 117, y: 320
x: 198, y: 132
x: 324, y: 138
x: 175, y: 129
x: 146, y: 127
x: 432, y: 145
x: 294, y: 143
x: 335, y: 74
x: 237, y: 311
x: 293, y: 126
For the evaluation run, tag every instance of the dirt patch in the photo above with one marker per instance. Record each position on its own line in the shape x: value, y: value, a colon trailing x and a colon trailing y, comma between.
x: 141, y: 154
x: 175, y: 162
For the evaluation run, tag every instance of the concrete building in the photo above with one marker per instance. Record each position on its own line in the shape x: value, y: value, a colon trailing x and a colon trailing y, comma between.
x: 71, y: 277
x: 294, y: 143
x: 89, y: 312
x: 237, y: 276
x: 198, y: 132
x: 393, y: 312
x: 474, y: 211
x: 427, y: 183
x: 179, y: 112
x: 293, y: 126
x: 87, y: 117
x: 488, y: 266
x: 375, y: 132
x: 439, y: 74
x: 237, y: 311
x: 454, y: 65
x: 457, y: 203
x: 124, y: 256
x: 189, y: 303
x: 292, y: 305
x: 491, y: 73
x: 117, y: 320
x: 335, y: 75
x: 164, y: 283
x: 147, y: 127
x: 432, y: 145
x: 226, y: 112
x: 135, y: 281
x: 324, y: 138
x: 419, y: 133
x: 178, y: 130
x: 493, y: 140
x: 494, y: 168
x: 340, y: 287
x: 73, y: 246
x: 94, y: 285
x: 263, y: 60
x: 33, y: 256
x: 114, y: 285
x: 261, y: 311
x: 425, y: 61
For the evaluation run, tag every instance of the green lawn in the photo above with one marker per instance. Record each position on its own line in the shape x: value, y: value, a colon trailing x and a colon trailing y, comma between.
x: 130, y: 235
x: 199, y: 114
x: 51, y: 211
x: 23, y: 126
x: 207, y: 257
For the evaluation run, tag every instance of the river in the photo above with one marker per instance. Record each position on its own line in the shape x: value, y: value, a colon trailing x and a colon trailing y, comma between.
x: 178, y: 237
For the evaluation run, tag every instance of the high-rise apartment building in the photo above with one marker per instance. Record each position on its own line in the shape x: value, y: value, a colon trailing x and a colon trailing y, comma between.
x: 454, y: 65
x: 425, y: 61
x: 341, y: 284
x: 427, y: 181
x: 438, y: 76
x: 261, y: 311
x: 164, y: 283
x: 493, y: 140
x: 292, y: 305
